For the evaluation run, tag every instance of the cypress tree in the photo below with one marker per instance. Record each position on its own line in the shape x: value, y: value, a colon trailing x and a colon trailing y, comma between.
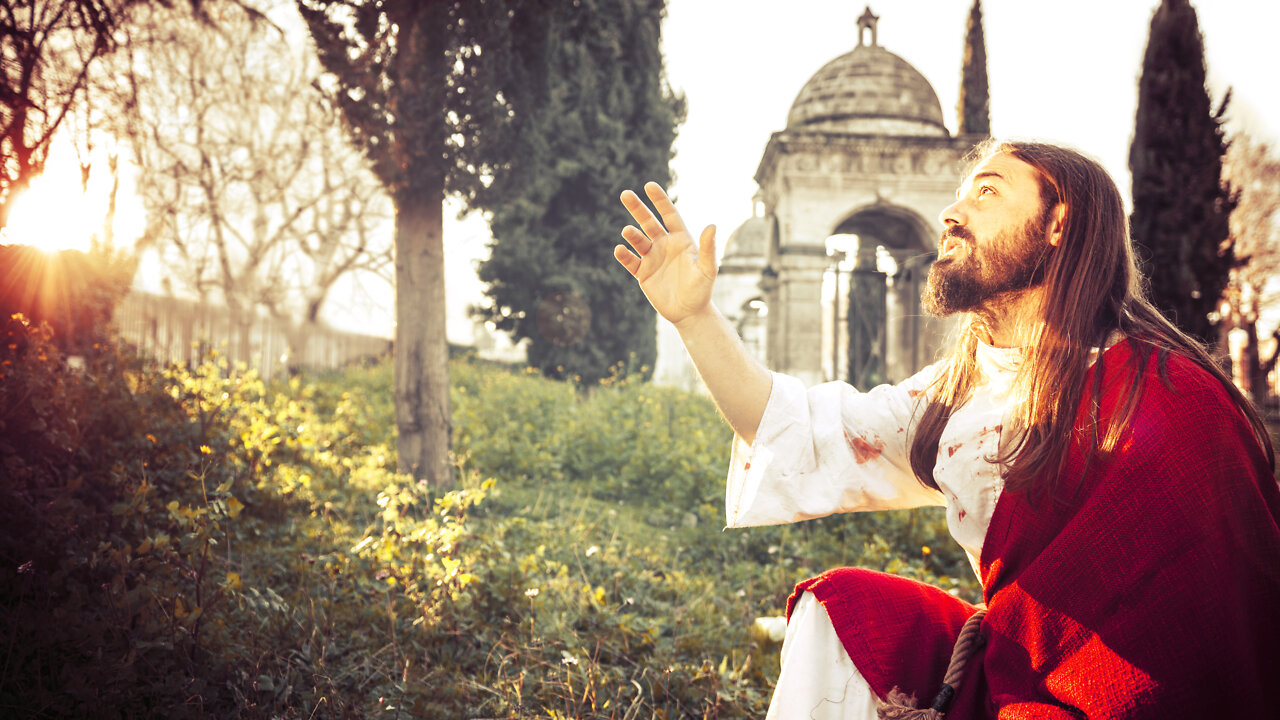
x: 973, y: 107
x: 603, y: 119
x: 1180, y: 204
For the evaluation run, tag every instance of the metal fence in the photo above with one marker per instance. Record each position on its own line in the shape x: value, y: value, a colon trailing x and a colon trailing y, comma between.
x: 170, y: 329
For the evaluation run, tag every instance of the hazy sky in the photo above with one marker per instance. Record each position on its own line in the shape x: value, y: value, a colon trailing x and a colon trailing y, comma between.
x: 1064, y: 72
x: 1058, y: 71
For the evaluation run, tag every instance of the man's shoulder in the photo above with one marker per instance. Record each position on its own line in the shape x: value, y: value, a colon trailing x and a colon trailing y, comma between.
x: 1179, y: 399
x: 1186, y: 430
x: 1176, y: 378
x: 1164, y: 373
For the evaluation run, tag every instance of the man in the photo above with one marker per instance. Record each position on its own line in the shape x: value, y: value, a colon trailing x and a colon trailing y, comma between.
x: 1111, y: 487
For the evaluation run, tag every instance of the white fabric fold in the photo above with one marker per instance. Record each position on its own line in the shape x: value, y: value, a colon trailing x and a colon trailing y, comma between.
x: 818, y: 680
x: 831, y: 449
x: 825, y: 450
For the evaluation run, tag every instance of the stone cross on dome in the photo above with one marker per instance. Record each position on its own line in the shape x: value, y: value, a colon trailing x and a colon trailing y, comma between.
x: 867, y: 22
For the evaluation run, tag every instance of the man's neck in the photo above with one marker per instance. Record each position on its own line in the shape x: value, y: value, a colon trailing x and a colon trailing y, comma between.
x: 1011, y: 321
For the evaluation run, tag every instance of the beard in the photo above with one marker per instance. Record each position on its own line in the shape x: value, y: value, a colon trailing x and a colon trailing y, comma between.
x: 975, y: 278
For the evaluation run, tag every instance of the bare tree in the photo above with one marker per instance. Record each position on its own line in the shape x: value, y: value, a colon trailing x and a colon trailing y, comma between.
x: 346, y: 232
x: 1253, y: 169
x: 253, y: 193
x: 46, y: 50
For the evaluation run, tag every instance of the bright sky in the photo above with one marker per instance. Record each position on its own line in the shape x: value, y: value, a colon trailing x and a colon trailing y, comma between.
x: 1060, y: 72
x: 1064, y: 72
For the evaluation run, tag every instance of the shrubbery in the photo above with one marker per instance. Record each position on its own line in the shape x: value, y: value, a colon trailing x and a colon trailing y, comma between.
x: 194, y: 543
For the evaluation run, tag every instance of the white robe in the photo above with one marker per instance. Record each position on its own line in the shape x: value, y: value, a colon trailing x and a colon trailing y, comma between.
x: 832, y: 449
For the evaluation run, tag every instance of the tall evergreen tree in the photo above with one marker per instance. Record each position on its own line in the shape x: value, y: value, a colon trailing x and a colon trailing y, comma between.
x: 1180, y: 204
x: 973, y: 107
x: 601, y: 120
x: 427, y: 92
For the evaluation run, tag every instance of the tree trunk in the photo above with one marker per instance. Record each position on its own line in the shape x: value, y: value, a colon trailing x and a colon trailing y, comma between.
x: 423, y: 420
x: 238, y: 322
x: 295, y: 339
x: 244, y: 343
x: 1255, y: 373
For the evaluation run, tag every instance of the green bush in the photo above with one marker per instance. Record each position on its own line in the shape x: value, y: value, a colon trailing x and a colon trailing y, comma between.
x: 192, y: 542
x: 615, y: 507
x: 509, y: 425
x: 112, y: 505
x: 640, y: 442
x: 72, y: 292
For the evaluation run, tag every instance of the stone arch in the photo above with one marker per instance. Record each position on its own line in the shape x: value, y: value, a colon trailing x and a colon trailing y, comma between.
x: 865, y: 152
x: 878, y: 329
x: 897, y: 228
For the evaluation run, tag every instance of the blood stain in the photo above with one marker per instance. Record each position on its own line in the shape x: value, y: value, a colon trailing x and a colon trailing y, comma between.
x: 862, y: 449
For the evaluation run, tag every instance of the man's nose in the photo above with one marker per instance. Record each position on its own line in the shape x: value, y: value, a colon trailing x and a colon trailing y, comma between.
x: 953, y: 214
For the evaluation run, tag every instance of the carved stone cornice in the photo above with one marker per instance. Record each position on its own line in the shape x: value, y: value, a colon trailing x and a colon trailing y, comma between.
x: 864, y: 156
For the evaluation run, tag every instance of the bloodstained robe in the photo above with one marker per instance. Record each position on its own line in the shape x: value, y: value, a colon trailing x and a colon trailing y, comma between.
x: 1146, y: 586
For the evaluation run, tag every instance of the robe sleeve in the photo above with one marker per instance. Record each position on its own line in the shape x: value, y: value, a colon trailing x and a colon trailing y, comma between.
x: 828, y: 449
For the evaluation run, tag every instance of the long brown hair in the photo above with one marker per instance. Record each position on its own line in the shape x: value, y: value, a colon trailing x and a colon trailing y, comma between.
x: 1091, y: 289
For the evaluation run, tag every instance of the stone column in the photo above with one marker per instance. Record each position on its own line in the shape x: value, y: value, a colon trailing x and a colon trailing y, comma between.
x: 798, y: 324
x: 772, y: 322
x: 912, y: 271
x: 867, y: 317
x: 928, y: 335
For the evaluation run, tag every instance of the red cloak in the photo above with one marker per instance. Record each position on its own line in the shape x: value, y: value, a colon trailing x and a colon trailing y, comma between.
x: 1151, y: 591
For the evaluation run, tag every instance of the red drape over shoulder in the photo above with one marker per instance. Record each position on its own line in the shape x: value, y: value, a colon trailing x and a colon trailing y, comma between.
x: 1150, y: 588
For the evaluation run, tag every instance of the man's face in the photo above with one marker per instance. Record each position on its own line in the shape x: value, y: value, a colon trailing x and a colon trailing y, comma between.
x: 996, y: 239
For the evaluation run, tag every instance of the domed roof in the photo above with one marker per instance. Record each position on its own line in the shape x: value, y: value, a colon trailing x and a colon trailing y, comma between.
x: 868, y: 90
x: 749, y: 241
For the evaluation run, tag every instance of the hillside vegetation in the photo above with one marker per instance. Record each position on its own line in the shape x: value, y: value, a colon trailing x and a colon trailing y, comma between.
x: 194, y: 543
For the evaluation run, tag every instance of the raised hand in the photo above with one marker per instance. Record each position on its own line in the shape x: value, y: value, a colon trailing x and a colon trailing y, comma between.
x: 675, y: 274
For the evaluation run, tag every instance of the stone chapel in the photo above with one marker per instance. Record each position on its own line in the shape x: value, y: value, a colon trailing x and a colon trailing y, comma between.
x: 849, y: 197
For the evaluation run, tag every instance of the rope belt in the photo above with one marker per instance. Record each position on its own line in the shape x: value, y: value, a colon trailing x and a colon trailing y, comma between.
x: 900, y: 706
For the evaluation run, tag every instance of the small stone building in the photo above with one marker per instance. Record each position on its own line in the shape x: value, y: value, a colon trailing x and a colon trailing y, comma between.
x: 737, y: 290
x: 850, y: 193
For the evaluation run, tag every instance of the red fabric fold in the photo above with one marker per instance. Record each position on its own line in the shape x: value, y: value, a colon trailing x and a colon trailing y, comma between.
x: 1150, y: 588
x: 902, y: 630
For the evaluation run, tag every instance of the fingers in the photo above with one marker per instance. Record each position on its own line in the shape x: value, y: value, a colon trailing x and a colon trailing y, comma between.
x: 637, y: 240
x: 652, y: 230
x: 665, y: 207
x: 707, y: 252
x: 643, y: 216
x: 627, y: 258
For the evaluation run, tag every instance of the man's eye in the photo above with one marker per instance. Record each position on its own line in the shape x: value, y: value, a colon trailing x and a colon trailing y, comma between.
x: 985, y: 189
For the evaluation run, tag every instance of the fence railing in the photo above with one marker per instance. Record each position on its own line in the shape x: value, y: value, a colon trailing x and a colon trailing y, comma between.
x: 178, y: 330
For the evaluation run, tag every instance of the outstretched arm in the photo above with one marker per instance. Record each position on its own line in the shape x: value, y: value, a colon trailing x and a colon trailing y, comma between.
x: 676, y: 276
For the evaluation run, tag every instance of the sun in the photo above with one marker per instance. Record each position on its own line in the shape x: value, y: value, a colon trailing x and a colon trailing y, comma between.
x: 57, y: 212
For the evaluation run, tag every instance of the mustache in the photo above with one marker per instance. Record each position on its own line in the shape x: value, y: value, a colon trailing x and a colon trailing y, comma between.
x: 957, y: 231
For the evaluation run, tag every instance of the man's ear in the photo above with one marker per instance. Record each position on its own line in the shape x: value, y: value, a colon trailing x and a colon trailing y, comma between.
x: 1058, y: 222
